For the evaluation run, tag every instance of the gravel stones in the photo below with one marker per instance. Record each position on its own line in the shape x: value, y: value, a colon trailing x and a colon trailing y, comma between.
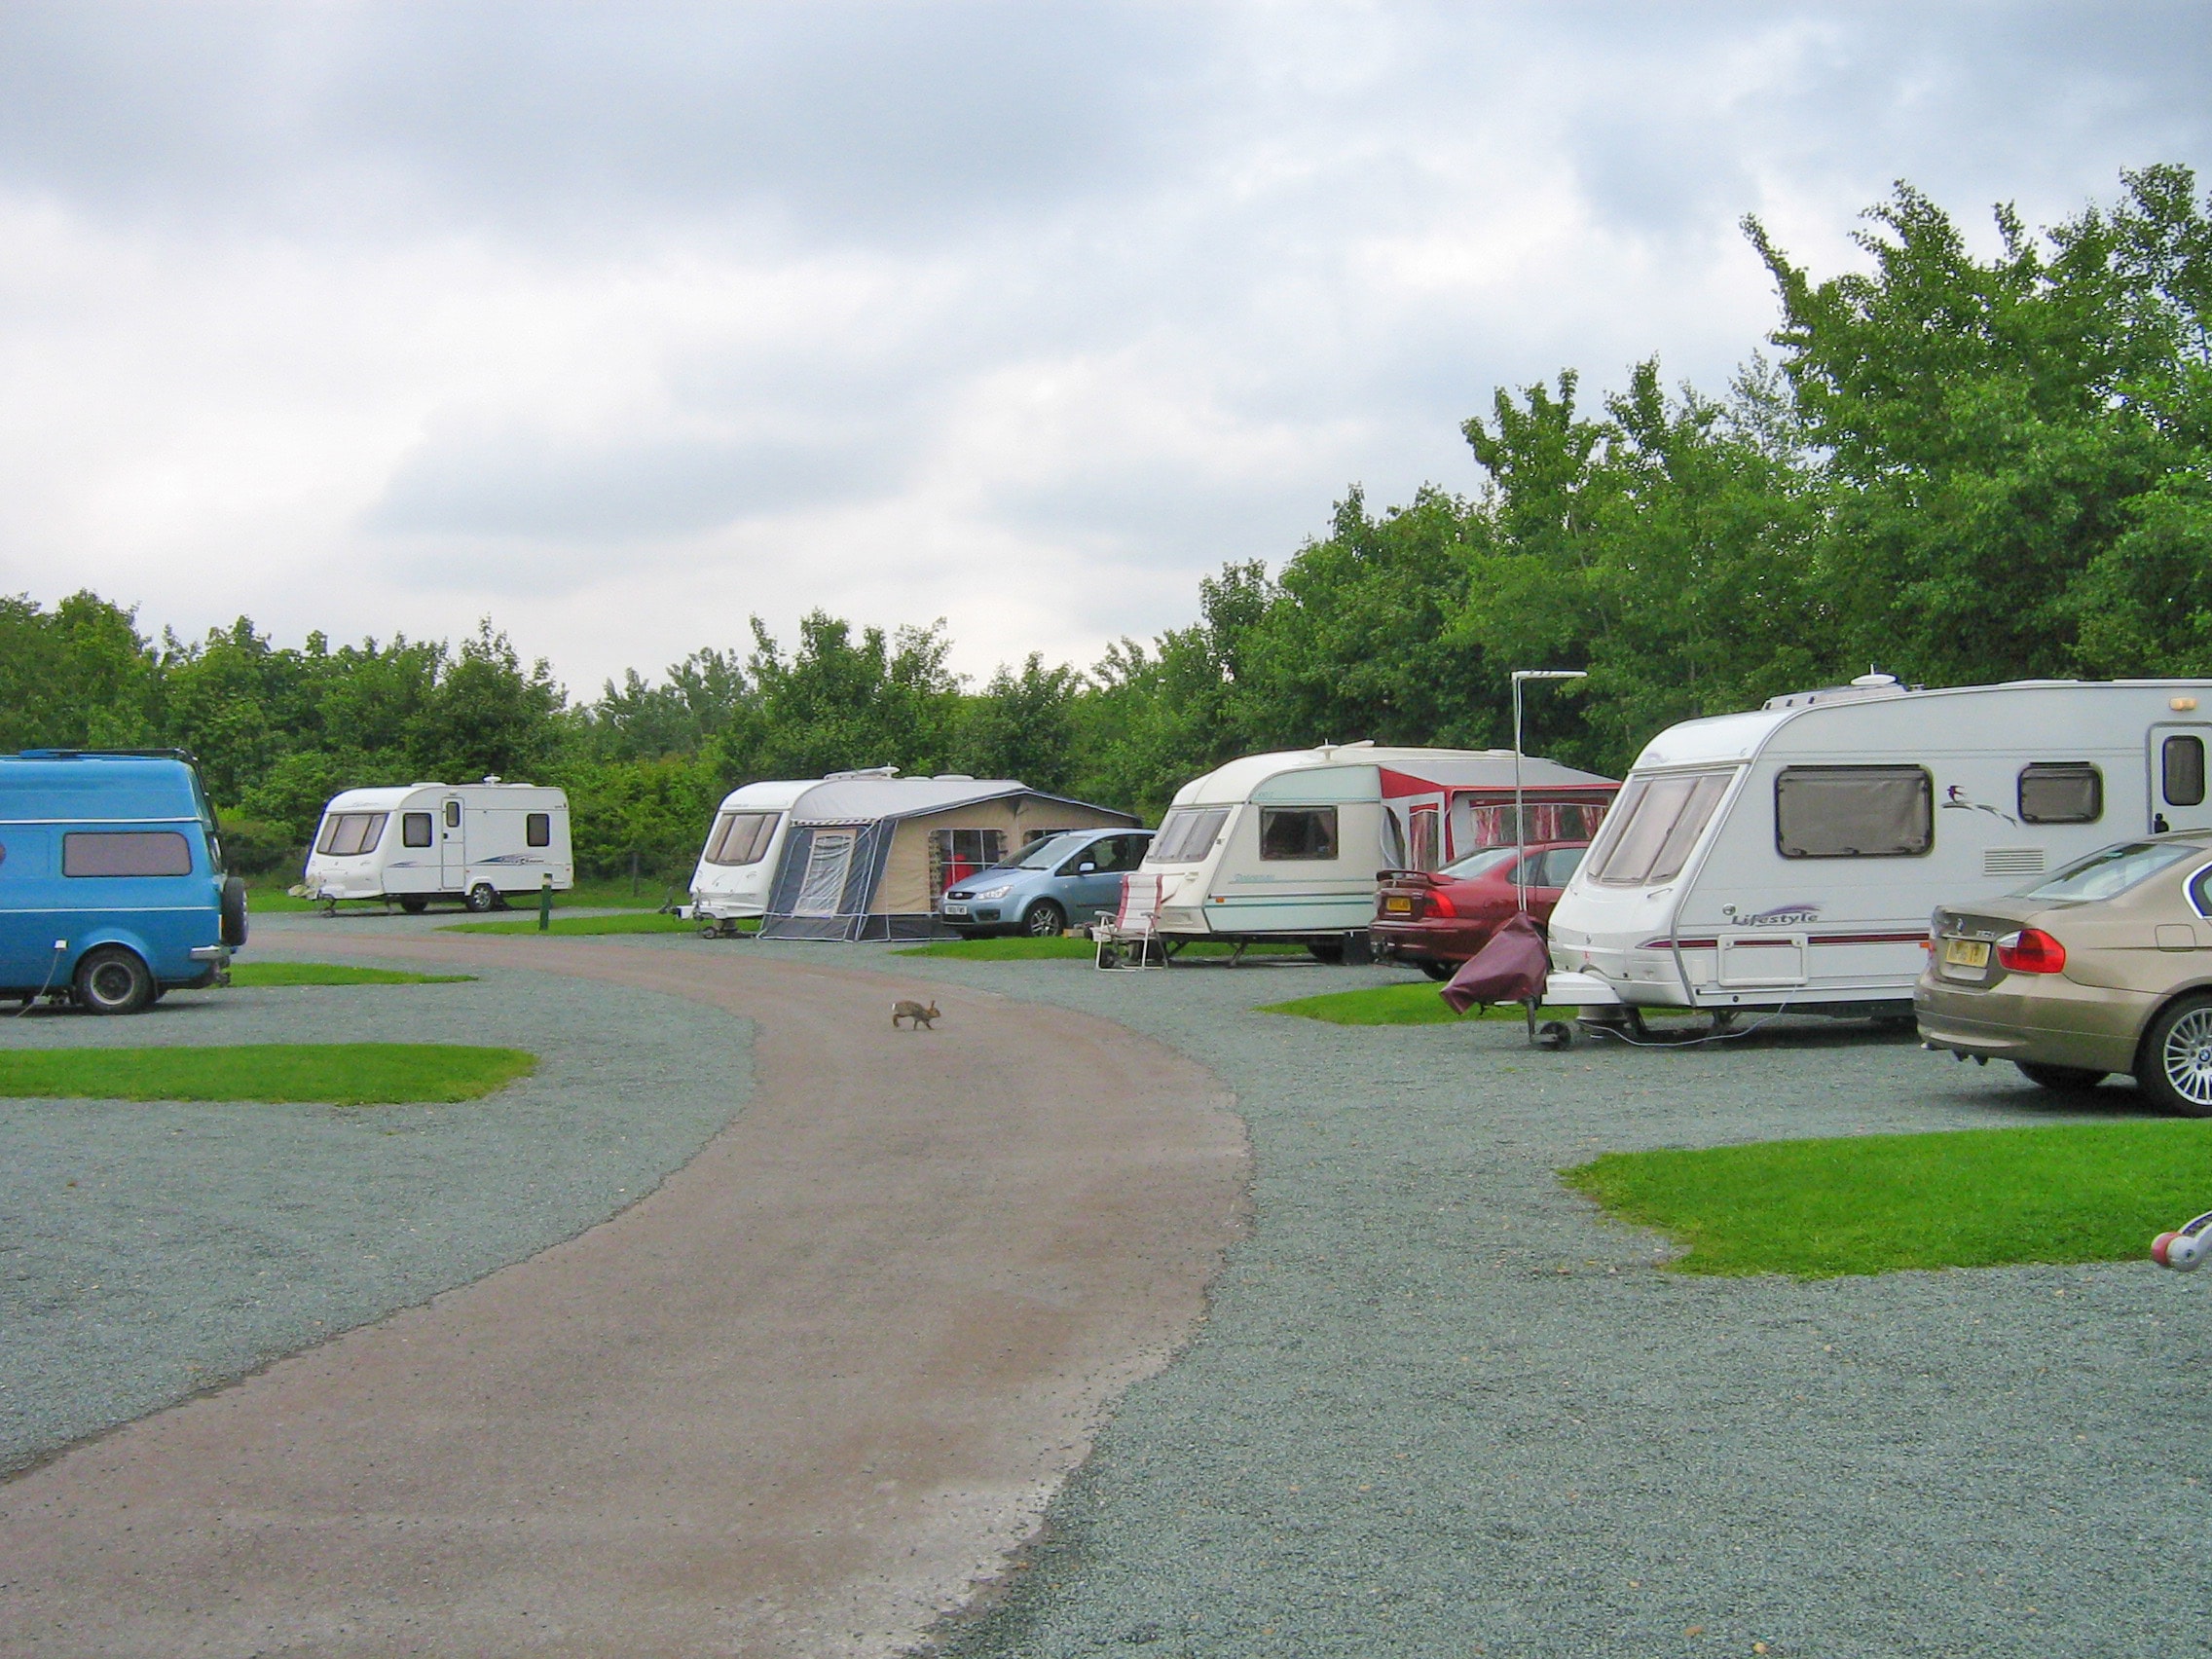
x: 150, y: 1250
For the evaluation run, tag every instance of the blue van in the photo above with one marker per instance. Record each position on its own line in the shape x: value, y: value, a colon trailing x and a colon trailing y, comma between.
x: 112, y: 888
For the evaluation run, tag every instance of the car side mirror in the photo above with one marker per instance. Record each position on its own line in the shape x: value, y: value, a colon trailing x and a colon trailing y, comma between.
x: 1086, y: 867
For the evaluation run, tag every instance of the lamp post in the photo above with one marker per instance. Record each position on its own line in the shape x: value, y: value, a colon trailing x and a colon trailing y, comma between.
x: 1519, y: 818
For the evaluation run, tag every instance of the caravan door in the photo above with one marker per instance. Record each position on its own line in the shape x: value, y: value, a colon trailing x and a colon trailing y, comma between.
x: 2177, y: 755
x: 453, y: 850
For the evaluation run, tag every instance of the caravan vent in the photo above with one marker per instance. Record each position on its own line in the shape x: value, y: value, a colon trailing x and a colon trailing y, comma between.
x: 2011, y: 860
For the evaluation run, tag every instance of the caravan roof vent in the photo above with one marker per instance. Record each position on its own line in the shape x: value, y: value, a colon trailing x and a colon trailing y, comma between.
x: 861, y: 772
x: 490, y: 777
x: 1865, y: 686
x: 954, y: 778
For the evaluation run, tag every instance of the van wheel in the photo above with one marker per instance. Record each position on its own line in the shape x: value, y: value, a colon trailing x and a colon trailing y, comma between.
x: 2066, y: 1080
x: 233, y: 912
x: 483, y: 897
x: 2175, y: 1065
x: 1045, y: 920
x: 112, y: 979
x: 414, y: 903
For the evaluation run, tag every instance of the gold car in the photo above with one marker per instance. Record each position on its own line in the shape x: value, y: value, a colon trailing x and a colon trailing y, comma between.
x: 2104, y: 967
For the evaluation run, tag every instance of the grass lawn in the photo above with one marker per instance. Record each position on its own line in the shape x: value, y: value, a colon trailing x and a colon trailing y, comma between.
x: 1395, y: 1005
x: 1017, y: 947
x: 633, y: 922
x: 1877, y: 1204
x: 335, y: 1074
x: 266, y: 895
x: 333, y: 974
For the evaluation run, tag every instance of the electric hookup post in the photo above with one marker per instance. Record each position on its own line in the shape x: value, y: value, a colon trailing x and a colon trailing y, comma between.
x: 546, y: 904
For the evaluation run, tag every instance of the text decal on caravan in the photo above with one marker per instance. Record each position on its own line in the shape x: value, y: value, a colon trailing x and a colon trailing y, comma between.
x: 1781, y: 916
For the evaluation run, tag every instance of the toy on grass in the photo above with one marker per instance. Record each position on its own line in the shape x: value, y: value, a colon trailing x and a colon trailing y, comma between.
x: 2184, y: 1249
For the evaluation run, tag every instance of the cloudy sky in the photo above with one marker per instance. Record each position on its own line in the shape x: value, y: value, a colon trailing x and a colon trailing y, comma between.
x: 622, y: 322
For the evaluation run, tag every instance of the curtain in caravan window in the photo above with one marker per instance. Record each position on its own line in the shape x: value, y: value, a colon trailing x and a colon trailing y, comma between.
x: 1656, y: 824
x: 2061, y: 791
x: 1854, y: 812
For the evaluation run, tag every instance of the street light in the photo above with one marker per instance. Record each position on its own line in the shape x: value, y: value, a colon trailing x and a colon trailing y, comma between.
x: 1519, y: 818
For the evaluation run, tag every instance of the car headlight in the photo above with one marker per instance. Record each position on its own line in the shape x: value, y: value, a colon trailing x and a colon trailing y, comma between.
x: 998, y: 892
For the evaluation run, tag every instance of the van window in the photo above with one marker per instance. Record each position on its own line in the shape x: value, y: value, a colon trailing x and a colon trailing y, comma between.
x: 1187, y: 834
x: 2061, y: 791
x: 1656, y: 824
x: 2181, y: 761
x: 453, y: 815
x: 347, y: 835
x: 1854, y: 812
x: 537, y: 828
x: 1298, y: 832
x: 126, y: 851
x: 413, y: 828
x: 739, y: 838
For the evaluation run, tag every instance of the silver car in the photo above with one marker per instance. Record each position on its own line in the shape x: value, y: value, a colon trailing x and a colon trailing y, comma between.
x: 1071, y: 878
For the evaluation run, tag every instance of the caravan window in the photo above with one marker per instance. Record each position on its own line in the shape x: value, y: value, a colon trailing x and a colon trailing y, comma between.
x: 1854, y: 812
x: 126, y: 851
x: 2181, y: 763
x: 413, y: 828
x: 1298, y: 832
x: 1656, y: 824
x: 2061, y: 791
x: 347, y: 834
x: 1187, y: 834
x: 737, y: 838
x: 537, y: 828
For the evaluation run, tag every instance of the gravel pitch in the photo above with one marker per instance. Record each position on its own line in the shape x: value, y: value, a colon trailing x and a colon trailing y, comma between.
x: 151, y: 1250
x: 1443, y: 1407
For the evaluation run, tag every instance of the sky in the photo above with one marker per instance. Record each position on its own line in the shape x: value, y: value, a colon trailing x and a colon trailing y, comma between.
x: 623, y: 323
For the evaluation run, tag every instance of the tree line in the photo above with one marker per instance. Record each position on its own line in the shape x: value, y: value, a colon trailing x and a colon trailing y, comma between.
x: 1955, y: 467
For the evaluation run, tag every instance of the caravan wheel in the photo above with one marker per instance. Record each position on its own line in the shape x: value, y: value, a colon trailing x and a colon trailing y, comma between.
x: 483, y: 897
x: 414, y: 903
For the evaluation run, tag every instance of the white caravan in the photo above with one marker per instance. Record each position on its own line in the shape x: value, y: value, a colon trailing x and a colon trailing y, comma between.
x: 745, y: 845
x: 481, y: 843
x: 1792, y: 856
x: 1287, y: 846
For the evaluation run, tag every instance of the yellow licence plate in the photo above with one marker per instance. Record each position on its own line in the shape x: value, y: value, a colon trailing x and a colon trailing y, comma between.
x: 1965, y: 953
x: 1398, y: 906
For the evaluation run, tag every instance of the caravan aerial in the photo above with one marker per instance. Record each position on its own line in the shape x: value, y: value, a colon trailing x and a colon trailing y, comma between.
x: 1286, y: 846
x: 480, y: 844
x: 1792, y: 855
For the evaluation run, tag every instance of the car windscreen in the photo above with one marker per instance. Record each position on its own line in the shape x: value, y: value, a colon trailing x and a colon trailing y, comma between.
x: 1653, y: 825
x: 1043, y: 853
x: 2109, y: 870
x: 1187, y: 834
x: 1480, y: 863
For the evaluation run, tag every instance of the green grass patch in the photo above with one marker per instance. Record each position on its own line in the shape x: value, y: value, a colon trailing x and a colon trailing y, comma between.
x: 1879, y: 1203
x: 259, y: 974
x: 629, y: 922
x: 1396, y: 1004
x: 333, y: 1074
x: 1017, y: 947
x: 266, y: 895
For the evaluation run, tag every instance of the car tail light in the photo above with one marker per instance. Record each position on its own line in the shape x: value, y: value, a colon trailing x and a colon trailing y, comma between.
x: 1439, y: 906
x: 2031, y: 950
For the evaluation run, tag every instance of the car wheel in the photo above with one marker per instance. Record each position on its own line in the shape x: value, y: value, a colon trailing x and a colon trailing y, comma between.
x: 2175, y: 1065
x: 483, y: 897
x: 114, y: 980
x: 1045, y: 920
x: 1438, y: 970
x: 414, y: 903
x: 2066, y: 1080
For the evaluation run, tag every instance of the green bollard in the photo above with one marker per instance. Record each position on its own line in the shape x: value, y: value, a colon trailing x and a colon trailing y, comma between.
x: 546, y: 904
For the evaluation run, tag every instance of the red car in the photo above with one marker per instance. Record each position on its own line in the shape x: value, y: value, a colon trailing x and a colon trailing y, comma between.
x: 1434, y: 920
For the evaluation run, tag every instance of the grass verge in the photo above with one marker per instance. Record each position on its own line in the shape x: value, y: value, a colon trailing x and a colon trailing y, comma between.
x: 1017, y: 947
x: 1395, y: 1005
x: 257, y: 973
x: 630, y: 922
x: 1879, y: 1203
x: 266, y: 895
x: 332, y: 1074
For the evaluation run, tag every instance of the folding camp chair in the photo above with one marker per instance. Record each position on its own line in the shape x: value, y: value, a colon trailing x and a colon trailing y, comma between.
x: 1131, y: 939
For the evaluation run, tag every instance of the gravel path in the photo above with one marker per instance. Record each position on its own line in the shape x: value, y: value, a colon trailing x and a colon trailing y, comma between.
x: 149, y: 1251
x: 1442, y: 1407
